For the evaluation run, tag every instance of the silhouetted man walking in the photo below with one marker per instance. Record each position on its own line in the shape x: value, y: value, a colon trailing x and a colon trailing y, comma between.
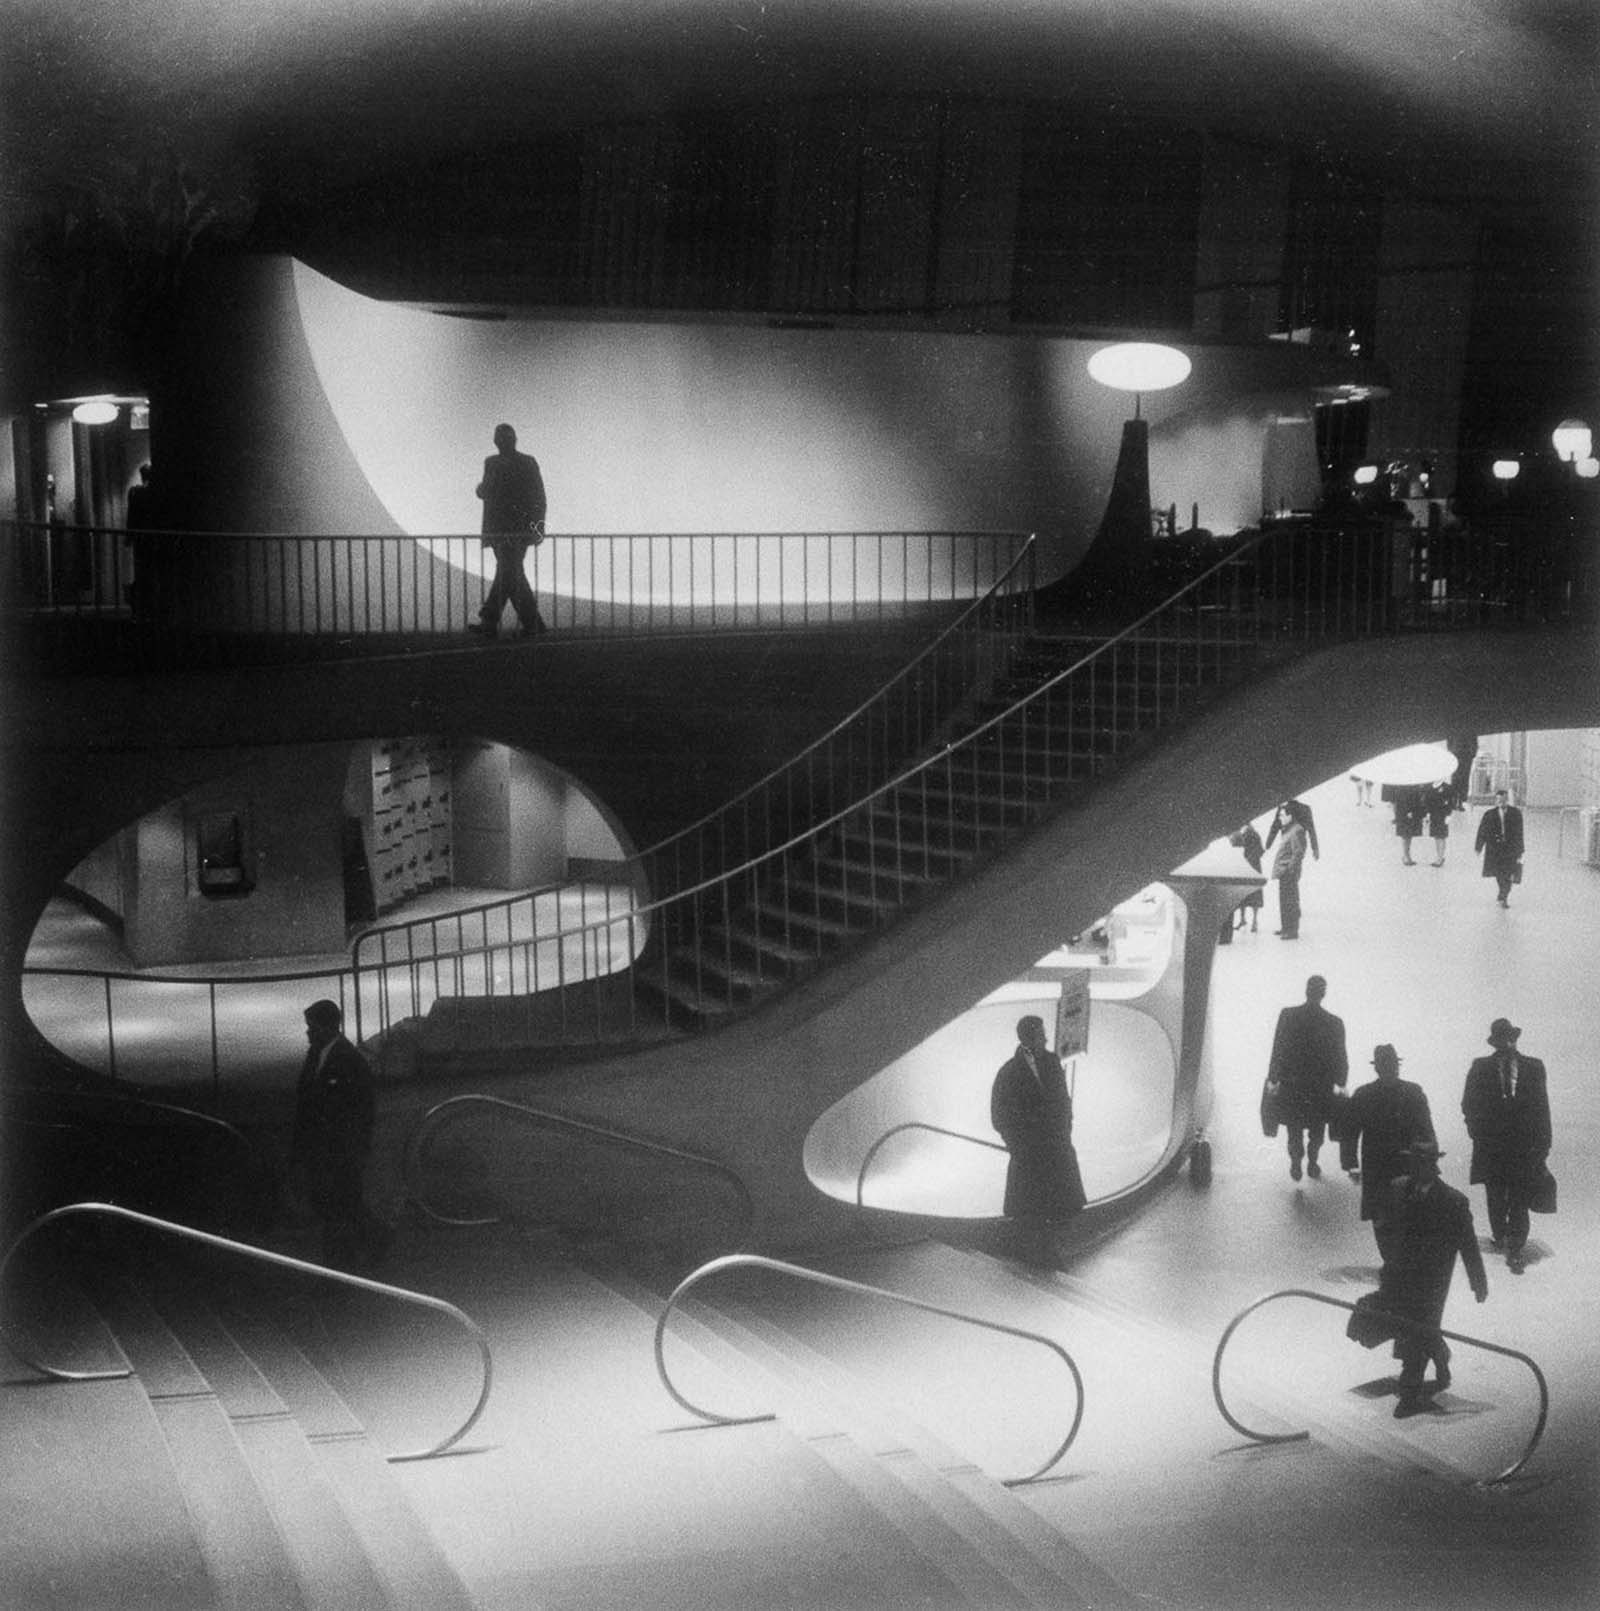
x: 1308, y: 1061
x: 513, y: 517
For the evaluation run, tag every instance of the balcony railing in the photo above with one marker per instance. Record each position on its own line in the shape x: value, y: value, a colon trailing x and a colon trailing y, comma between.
x: 103, y: 597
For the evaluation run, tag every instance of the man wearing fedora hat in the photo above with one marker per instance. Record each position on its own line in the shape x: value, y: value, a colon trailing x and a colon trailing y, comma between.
x: 1382, y: 1118
x: 1432, y: 1225
x: 1507, y: 1109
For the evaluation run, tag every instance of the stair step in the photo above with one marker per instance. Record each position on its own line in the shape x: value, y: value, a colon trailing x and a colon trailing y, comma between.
x: 234, y: 1524
x: 405, y: 1556
x: 329, y: 1559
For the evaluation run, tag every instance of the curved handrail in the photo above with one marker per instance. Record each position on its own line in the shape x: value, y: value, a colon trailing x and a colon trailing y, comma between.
x: 412, y: 1154
x: 997, y: 590
x: 915, y: 1124
x: 283, y: 1261
x: 839, y: 1284
x: 1399, y: 1320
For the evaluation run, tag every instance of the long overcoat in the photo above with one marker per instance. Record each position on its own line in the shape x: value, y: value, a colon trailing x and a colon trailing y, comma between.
x: 1382, y: 1119
x: 1032, y: 1111
x: 1500, y: 841
x: 1308, y: 1060
x: 1431, y: 1228
x: 1510, y: 1134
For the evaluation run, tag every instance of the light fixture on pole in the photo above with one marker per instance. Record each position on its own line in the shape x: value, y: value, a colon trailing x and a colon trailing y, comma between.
x: 1112, y: 567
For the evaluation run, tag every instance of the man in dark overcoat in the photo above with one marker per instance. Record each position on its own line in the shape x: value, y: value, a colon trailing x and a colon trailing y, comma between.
x: 1308, y: 1062
x: 512, y: 491
x: 1030, y: 1107
x: 1507, y: 1108
x: 1500, y: 840
x: 1432, y: 1226
x: 333, y: 1121
x: 1382, y: 1119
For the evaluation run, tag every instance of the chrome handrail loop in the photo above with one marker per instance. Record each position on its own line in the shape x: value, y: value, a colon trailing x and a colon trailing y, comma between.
x: 412, y: 1155
x: 1341, y: 1303
x: 283, y: 1261
x: 915, y: 1124
x: 837, y: 1283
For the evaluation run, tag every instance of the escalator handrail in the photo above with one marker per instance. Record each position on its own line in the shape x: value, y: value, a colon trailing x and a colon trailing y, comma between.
x: 411, y: 1157
x: 264, y: 1255
x: 837, y: 1283
x: 1399, y: 1320
x: 915, y: 1124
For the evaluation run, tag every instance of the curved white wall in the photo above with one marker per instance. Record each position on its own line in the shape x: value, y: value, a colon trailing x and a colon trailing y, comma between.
x: 672, y: 426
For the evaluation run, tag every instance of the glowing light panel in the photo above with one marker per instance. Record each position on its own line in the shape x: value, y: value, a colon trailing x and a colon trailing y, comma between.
x: 1573, y: 441
x: 1505, y: 469
x: 97, y: 411
x: 1139, y: 366
x: 1365, y: 474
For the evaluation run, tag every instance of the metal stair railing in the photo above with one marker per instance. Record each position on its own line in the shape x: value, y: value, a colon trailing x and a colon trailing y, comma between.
x: 895, y: 721
x: 422, y: 1132
x: 1211, y: 602
x: 914, y: 1124
x: 260, y: 598
x: 262, y: 1255
x: 836, y: 1283
x: 1406, y: 1325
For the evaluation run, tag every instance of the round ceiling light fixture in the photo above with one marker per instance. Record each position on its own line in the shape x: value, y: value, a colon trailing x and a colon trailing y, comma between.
x: 1505, y: 469
x: 95, y: 411
x: 1140, y: 366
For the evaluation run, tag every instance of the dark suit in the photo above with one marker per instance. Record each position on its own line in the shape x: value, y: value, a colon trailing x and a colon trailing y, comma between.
x: 1308, y: 1061
x: 1431, y: 1227
x: 333, y: 1120
x: 1030, y: 1108
x: 1500, y: 840
x: 1382, y: 1118
x: 512, y: 490
x: 1507, y: 1109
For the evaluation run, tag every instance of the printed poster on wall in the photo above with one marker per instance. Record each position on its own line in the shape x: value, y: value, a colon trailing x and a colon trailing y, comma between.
x: 1072, y: 1014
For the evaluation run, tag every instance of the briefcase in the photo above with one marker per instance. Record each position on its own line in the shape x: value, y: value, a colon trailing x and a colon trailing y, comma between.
x: 1269, y: 1109
x: 1542, y: 1199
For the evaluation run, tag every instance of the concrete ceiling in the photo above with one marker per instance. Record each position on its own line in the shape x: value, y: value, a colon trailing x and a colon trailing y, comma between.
x: 1493, y: 100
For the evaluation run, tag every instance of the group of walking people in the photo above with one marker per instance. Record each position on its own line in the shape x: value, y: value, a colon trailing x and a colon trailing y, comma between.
x: 1386, y: 1139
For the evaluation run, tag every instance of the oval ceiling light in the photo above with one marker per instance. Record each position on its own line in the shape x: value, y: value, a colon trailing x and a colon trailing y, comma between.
x: 97, y: 411
x: 1139, y: 366
x: 1588, y: 468
x: 1505, y: 469
x: 1365, y: 475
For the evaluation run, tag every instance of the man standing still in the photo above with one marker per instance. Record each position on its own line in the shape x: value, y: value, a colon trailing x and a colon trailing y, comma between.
x: 1383, y: 1118
x: 1030, y: 1108
x: 1507, y: 1108
x: 1500, y: 840
x: 1308, y: 1061
x: 512, y: 491
x: 333, y: 1120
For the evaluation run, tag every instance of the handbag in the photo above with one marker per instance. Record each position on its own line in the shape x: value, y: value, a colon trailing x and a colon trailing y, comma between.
x: 1269, y: 1109
x: 1542, y: 1199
